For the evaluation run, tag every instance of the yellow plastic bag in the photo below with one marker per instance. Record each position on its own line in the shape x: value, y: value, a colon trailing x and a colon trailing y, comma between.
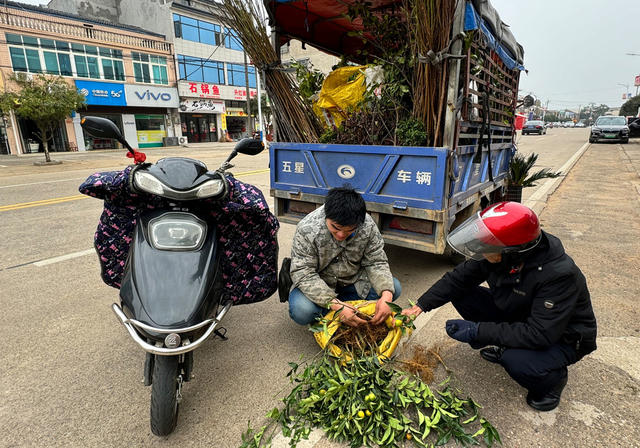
x: 385, y: 348
x: 342, y: 90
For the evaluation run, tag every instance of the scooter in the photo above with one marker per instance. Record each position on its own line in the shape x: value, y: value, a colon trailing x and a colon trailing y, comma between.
x: 171, y: 297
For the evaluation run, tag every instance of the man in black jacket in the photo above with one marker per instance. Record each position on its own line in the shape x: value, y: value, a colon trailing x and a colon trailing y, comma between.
x: 536, y: 315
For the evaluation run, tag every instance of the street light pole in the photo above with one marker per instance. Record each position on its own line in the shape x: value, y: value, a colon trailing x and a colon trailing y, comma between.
x: 626, y: 89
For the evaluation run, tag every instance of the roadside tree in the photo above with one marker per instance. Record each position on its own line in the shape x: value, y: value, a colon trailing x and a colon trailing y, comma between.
x: 45, y: 100
x: 631, y: 107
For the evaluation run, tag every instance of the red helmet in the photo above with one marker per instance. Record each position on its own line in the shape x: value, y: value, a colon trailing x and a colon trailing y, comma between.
x: 501, y: 227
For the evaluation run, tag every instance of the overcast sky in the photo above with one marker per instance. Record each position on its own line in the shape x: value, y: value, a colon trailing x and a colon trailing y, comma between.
x: 575, y: 50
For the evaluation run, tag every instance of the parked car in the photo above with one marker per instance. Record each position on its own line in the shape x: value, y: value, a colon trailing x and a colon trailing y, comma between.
x: 534, y: 127
x: 581, y: 125
x: 549, y: 125
x: 568, y: 124
x: 610, y: 128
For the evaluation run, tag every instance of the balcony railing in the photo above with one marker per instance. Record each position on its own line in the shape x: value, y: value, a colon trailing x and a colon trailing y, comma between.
x: 83, y: 32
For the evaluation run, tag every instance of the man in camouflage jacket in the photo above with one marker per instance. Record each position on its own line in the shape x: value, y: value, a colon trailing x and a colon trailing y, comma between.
x: 338, y: 255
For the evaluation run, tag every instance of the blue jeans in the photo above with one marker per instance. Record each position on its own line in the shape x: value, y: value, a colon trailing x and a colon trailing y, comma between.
x: 303, y: 311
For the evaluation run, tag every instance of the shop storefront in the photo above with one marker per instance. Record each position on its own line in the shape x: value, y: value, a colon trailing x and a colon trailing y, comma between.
x: 142, y: 113
x: 105, y: 100
x: 152, y: 127
x: 237, y: 123
x: 205, y: 114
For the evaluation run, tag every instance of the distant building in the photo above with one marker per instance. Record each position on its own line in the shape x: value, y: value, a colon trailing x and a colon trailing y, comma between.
x: 209, y: 60
x: 308, y: 55
x: 126, y: 73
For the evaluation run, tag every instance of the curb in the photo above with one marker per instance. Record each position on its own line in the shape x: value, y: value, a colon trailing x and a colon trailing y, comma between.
x: 538, y: 200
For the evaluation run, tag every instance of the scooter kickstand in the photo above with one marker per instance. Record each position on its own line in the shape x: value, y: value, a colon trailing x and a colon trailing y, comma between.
x: 221, y: 332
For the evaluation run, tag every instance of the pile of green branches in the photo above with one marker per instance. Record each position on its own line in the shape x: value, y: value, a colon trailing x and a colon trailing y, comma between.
x: 366, y: 403
x: 294, y: 118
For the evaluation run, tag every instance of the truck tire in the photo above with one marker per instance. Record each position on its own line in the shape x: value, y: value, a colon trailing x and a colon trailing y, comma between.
x: 454, y: 257
x: 624, y: 141
x: 164, y: 395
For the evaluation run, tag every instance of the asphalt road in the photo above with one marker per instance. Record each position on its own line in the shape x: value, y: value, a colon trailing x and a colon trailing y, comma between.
x: 70, y: 374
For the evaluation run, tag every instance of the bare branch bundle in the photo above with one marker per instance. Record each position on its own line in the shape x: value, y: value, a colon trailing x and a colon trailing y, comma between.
x: 430, y: 22
x: 294, y: 118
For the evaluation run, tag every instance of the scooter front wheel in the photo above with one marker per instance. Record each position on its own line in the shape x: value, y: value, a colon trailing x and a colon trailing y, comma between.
x: 164, y: 395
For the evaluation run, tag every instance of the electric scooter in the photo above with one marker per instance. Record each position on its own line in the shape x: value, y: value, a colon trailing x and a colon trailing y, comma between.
x: 171, y: 297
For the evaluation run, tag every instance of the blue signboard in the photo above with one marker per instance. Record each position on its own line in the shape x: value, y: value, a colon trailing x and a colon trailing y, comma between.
x: 406, y: 176
x: 102, y: 93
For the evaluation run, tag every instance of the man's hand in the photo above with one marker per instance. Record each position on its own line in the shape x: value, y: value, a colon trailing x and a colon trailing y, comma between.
x: 347, y: 314
x: 414, y: 311
x: 382, y: 308
x: 462, y: 330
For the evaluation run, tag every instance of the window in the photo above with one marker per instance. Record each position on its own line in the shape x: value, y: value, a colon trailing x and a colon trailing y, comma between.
x: 149, y: 68
x: 231, y: 40
x: 201, y: 70
x: 112, y: 66
x: 65, y: 64
x: 56, y: 57
x: 18, y: 60
x: 81, y: 66
x: 236, y: 75
x: 197, y: 30
x: 51, y: 63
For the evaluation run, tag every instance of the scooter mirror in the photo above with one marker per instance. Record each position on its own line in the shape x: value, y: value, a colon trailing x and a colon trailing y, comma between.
x: 249, y: 146
x: 101, y: 127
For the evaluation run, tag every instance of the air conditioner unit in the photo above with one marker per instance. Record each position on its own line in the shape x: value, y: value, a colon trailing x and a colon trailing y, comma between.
x: 183, y: 141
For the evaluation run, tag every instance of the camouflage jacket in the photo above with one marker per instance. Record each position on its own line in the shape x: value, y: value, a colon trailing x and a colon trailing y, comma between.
x: 320, y: 264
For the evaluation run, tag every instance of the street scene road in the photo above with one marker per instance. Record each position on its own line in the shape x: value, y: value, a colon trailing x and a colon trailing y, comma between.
x: 71, y: 376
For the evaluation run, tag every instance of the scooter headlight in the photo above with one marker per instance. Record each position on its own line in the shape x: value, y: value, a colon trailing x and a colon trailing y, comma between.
x: 149, y: 183
x: 177, y: 231
x: 146, y: 182
x: 210, y: 188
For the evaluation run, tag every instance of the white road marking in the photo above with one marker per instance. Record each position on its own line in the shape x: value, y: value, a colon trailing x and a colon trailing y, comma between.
x: 64, y: 257
x: 43, y: 182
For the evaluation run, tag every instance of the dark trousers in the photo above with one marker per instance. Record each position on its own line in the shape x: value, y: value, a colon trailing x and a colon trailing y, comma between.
x: 535, y: 370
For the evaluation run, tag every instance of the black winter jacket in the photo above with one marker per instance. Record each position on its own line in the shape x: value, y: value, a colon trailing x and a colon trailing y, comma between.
x: 547, y: 300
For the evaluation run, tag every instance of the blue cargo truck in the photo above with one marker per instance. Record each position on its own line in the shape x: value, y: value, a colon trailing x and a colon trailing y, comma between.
x: 416, y: 195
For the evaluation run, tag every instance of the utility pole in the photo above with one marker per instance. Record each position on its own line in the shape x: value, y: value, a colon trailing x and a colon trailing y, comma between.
x: 544, y: 111
x: 246, y: 83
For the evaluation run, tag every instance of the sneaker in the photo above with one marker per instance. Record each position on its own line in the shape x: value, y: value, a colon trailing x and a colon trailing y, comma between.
x: 550, y: 400
x: 492, y: 354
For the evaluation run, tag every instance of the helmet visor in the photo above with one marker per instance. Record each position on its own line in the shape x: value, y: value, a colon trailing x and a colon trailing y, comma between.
x: 472, y: 238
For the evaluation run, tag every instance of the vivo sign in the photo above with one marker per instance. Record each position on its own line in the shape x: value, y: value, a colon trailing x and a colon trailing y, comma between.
x: 150, y: 96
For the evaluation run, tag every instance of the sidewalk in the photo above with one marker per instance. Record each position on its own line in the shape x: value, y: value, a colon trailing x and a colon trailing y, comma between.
x: 595, y: 211
x: 104, y: 158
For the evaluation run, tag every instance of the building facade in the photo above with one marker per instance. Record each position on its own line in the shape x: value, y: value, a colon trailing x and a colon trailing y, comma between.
x: 211, y: 68
x: 126, y: 74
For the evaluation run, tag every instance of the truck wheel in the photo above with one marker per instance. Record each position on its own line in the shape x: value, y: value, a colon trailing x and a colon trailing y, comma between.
x: 164, y: 395
x: 625, y: 140
x: 454, y: 257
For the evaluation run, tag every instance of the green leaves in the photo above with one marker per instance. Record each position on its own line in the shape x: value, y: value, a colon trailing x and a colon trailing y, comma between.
x: 364, y: 403
x: 519, y: 169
